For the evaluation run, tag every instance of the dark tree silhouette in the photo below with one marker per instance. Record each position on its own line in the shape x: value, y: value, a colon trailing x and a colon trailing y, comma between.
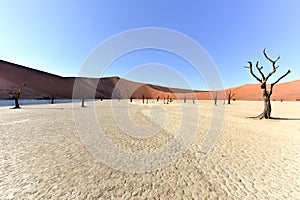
x: 193, y: 100
x: 143, y: 99
x: 216, y: 98
x: 83, y: 100
x: 52, y: 97
x: 263, y: 83
x: 229, y: 96
x: 184, y: 101
x: 131, y: 99
x: 15, y: 94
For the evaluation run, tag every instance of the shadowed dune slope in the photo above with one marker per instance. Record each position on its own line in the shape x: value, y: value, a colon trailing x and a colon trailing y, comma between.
x: 41, y: 85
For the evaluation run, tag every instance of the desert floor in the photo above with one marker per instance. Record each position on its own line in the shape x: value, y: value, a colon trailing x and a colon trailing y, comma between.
x: 42, y: 155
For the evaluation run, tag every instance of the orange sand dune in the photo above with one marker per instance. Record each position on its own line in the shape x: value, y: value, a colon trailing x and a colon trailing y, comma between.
x: 40, y: 84
x: 288, y: 91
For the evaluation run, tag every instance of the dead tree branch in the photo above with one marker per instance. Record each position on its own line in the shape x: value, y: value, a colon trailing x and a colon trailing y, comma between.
x: 272, y: 85
x: 251, y: 71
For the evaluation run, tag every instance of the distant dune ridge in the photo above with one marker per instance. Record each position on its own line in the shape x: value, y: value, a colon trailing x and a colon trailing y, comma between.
x: 41, y: 85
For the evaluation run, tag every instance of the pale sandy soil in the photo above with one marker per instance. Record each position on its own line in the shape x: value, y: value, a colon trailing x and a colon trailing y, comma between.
x: 42, y: 156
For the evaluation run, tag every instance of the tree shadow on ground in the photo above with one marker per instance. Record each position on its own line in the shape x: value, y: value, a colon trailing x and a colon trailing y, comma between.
x: 284, y: 118
x: 275, y: 118
x: 57, y: 108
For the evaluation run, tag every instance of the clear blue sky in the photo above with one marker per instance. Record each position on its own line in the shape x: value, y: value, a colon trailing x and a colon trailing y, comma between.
x: 57, y: 36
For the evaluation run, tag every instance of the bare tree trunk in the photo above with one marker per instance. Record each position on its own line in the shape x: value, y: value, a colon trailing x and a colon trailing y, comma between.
x: 229, y: 97
x: 53, y: 97
x: 216, y: 99
x: 17, y: 105
x: 82, y: 102
x: 267, y: 107
x: 266, y: 114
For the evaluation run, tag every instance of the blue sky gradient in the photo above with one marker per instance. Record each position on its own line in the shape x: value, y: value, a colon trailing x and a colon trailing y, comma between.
x: 57, y: 36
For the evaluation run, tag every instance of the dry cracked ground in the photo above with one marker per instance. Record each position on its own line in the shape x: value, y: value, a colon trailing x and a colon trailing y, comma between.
x: 44, y: 154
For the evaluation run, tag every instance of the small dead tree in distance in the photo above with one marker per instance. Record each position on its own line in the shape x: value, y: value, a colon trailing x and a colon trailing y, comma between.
x: 52, y: 97
x: 216, y: 98
x: 263, y: 84
x: 83, y: 97
x: 15, y: 94
x: 229, y: 97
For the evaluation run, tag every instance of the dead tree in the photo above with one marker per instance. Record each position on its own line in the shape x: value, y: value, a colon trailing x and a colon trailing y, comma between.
x: 184, y: 101
x: 131, y: 99
x: 15, y: 94
x: 83, y: 100
x: 263, y: 83
x: 216, y: 98
x: 157, y: 99
x: 229, y: 96
x: 52, y: 97
x: 143, y: 99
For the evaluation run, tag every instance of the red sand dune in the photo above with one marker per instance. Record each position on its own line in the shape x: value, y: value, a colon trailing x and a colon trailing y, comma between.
x: 288, y: 91
x: 45, y: 85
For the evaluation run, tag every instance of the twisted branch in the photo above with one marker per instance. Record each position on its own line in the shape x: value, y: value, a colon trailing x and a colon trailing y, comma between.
x: 272, y: 85
x: 273, y: 65
x: 251, y: 71
x: 259, y: 70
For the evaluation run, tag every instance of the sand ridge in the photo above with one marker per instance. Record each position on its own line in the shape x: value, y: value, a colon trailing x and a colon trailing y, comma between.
x: 40, y: 85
